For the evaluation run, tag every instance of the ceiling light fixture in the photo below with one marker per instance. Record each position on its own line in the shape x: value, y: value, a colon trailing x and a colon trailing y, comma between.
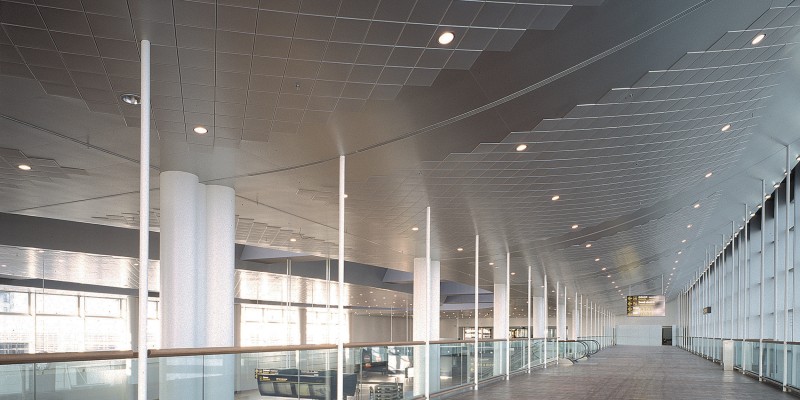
x: 24, y: 167
x: 415, y: 229
x: 131, y: 98
x: 603, y: 269
x: 522, y: 147
x: 689, y: 226
x: 756, y: 40
x: 726, y: 127
x: 200, y: 130
x: 680, y: 252
x: 556, y: 197
x: 292, y: 240
x: 491, y: 263
x: 575, y: 226
x: 708, y: 175
x: 696, y: 205
x: 588, y: 245
x: 459, y: 249
x: 769, y: 196
x: 597, y: 259
x: 683, y: 241
x: 446, y: 37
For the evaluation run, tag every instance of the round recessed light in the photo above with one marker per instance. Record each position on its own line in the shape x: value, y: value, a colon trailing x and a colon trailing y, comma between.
x: 292, y: 240
x: 346, y: 196
x: 676, y: 261
x: 603, y: 269
x: 597, y: 259
x: 200, y: 130
x: 575, y: 226
x: 683, y: 241
x: 608, y: 276
x: 708, y: 175
x: 522, y: 147
x: 769, y: 196
x: 491, y: 263
x: 131, y: 98
x: 460, y: 249
x: 446, y: 38
x: 756, y: 40
x: 689, y: 226
x: 513, y: 273
x: 588, y: 245
x: 415, y: 229
x: 24, y: 167
x: 696, y: 205
x: 556, y: 197
x: 726, y: 127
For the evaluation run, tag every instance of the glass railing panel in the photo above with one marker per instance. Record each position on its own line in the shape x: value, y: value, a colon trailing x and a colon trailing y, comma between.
x: 518, y: 353
x: 293, y: 374
x: 794, y: 365
x: 17, y: 381
x: 750, y: 356
x: 737, y: 354
x: 456, y: 365
x: 104, y: 379
x: 773, y: 361
x: 393, y: 371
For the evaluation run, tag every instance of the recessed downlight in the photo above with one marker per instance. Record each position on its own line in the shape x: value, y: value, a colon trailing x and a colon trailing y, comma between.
x: 683, y: 241
x: 758, y: 39
x: 777, y: 185
x: 131, y: 98
x: 575, y: 226
x: 200, y: 130
x: 696, y: 205
x: 588, y: 245
x: 708, y: 174
x: 556, y: 197
x: 522, y: 147
x: 603, y: 269
x: 24, y: 167
x: 446, y: 37
x: 415, y: 229
x: 460, y: 249
x: 726, y: 127
x: 491, y: 263
x: 689, y: 226
x: 292, y: 240
x: 597, y: 259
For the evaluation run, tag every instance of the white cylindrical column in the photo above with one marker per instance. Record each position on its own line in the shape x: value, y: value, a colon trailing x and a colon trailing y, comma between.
x: 219, y: 250
x: 179, y: 293
x: 144, y: 220
x: 179, y: 280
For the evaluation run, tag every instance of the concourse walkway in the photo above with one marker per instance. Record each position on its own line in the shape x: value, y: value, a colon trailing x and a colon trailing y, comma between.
x: 632, y: 372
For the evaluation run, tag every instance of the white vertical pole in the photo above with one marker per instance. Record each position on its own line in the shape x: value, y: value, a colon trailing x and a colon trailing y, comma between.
x: 734, y: 238
x: 507, y: 316
x: 786, y: 276
x: 144, y: 218
x: 530, y: 300
x: 546, y: 319
x: 761, y: 285
x: 477, y: 285
x: 776, y: 239
x: 342, y: 327
x: 428, y: 307
x: 558, y: 320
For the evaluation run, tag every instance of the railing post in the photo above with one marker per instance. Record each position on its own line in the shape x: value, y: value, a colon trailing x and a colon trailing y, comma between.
x: 144, y: 218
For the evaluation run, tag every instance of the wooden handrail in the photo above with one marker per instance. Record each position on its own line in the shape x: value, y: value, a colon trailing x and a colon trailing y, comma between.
x: 6, y: 359
x: 381, y: 344
x: 208, y: 351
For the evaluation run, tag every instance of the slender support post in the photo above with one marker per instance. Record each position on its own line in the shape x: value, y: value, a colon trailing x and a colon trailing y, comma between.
x: 428, y: 307
x: 786, y: 275
x: 530, y: 300
x: 144, y: 219
x: 761, y: 286
x: 340, y: 339
x: 546, y: 320
x: 507, y: 316
x: 558, y: 321
x: 477, y: 286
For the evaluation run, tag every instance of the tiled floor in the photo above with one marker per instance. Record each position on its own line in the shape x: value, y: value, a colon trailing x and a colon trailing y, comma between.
x: 629, y: 372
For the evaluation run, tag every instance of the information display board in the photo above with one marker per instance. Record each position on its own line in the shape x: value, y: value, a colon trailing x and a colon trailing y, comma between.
x: 646, y: 306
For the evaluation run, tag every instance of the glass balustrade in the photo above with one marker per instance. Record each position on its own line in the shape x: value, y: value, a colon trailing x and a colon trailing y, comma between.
x: 385, y: 371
